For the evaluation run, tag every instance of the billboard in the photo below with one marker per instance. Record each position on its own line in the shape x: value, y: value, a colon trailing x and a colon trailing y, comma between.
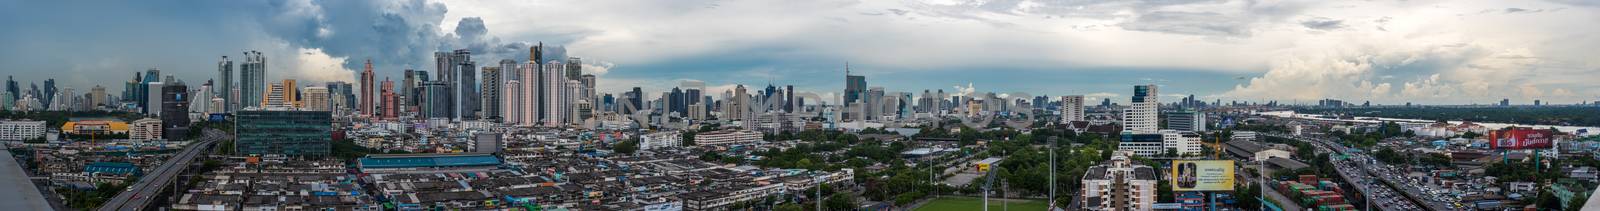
x: 1521, y: 138
x: 1202, y: 175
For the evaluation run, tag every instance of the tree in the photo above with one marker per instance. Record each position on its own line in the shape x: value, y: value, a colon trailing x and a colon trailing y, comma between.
x: 626, y: 147
x: 688, y: 138
x: 841, y: 201
x: 788, y: 207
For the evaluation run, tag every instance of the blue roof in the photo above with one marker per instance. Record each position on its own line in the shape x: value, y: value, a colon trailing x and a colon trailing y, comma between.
x: 111, y: 167
x: 434, y: 160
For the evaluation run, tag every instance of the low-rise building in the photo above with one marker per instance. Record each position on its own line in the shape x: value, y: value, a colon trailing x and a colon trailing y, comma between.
x: 727, y: 137
x: 1119, y: 184
x: 658, y: 140
x: 14, y: 130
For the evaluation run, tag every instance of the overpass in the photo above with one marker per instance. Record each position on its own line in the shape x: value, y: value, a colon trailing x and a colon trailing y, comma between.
x: 140, y: 194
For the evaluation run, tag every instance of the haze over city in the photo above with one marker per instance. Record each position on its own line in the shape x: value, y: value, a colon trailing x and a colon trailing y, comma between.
x: 1387, y: 52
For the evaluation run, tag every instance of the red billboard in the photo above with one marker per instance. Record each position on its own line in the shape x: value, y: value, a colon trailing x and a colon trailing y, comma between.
x: 1521, y: 138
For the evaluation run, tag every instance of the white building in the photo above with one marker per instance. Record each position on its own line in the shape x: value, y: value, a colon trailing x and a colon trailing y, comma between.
x: 668, y: 139
x: 145, y: 129
x: 1141, y: 117
x: 13, y: 130
x: 1185, y: 143
x: 1071, y: 108
x: 1118, y: 184
x: 727, y: 137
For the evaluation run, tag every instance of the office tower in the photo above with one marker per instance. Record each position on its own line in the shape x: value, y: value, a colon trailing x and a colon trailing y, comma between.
x: 1071, y: 108
x: 445, y: 71
x: 1119, y: 184
x: 315, y: 98
x: 574, y: 68
x: 366, y: 90
x: 336, y: 102
x: 49, y: 91
x: 737, y: 106
x: 436, y: 100
x: 274, y: 97
x: 16, y: 92
x: 97, y: 96
x: 587, y: 90
x: 874, y: 103
x: 467, y: 107
x: 573, y: 112
x: 143, y: 97
x: 225, y: 77
x: 407, y: 85
x: 415, y: 100
x: 510, y: 92
x: 633, y: 100
x: 390, y: 103
x: 788, y: 99
x: 1187, y: 120
x: 1141, y: 115
x: 291, y: 93
x: 536, y: 54
x: 554, y: 96
x: 152, y: 97
x: 492, y: 94
x: 855, y: 87
x: 283, y: 132
x: 252, y: 80
x: 175, y: 104
x: 676, y: 102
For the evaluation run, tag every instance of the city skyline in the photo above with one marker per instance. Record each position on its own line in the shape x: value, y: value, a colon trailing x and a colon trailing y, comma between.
x: 1388, y: 53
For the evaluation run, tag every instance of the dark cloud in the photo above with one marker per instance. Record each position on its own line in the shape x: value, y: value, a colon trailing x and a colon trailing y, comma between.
x: 1321, y: 23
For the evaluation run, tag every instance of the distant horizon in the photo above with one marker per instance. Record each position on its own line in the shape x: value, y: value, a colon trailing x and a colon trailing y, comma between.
x: 1437, y: 53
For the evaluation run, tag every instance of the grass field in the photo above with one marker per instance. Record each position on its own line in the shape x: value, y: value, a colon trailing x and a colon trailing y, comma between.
x: 975, y: 204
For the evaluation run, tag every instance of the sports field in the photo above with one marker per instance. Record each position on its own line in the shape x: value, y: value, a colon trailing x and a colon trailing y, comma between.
x: 976, y: 204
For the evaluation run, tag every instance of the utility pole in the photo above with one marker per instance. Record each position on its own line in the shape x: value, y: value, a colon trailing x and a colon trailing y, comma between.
x: 1052, y: 199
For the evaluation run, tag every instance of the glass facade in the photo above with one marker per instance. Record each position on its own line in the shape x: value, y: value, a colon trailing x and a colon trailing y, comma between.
x: 292, y: 133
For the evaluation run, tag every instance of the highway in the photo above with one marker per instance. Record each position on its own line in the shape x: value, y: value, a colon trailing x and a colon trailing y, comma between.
x: 1360, y: 175
x: 144, y: 191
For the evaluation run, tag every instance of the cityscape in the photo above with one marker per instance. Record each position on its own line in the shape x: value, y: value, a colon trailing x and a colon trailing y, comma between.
x: 788, y: 106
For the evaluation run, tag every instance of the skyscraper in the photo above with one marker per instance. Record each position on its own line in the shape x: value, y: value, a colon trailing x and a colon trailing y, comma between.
x: 855, y: 87
x: 391, y: 104
x: 574, y: 68
x: 225, y: 79
x: 1141, y: 115
x: 315, y: 98
x: 97, y: 96
x: 553, y: 82
x: 49, y: 91
x: 366, y: 90
x: 175, y: 104
x: 492, y: 94
x: 291, y: 93
x: 737, y: 106
x: 529, y: 98
x: 16, y: 92
x: 1071, y: 108
x: 408, y: 83
x: 436, y: 100
x: 252, y: 80
x: 466, y: 85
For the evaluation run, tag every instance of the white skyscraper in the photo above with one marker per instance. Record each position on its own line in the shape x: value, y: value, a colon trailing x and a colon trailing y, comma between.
x: 530, y: 94
x: 1141, y: 116
x: 1071, y: 108
x: 555, y: 95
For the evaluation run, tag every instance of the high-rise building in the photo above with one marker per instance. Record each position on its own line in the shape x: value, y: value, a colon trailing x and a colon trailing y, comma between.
x: 390, y: 102
x: 586, y: 91
x: 1141, y: 115
x: 576, y: 109
x: 366, y: 90
x: 1180, y: 142
x: 175, y: 104
x: 554, y: 97
x: 1072, y: 108
x: 446, y: 74
x: 201, y: 102
x: 1186, y: 120
x: 467, y: 108
x: 1119, y: 184
x: 529, y: 100
x: 737, y: 106
x: 574, y: 68
x: 492, y: 93
x: 283, y: 132
x: 291, y: 93
x: 274, y: 97
x: 152, y: 97
x: 225, y: 83
x: 50, y: 91
x: 436, y: 100
x: 407, y: 87
x: 16, y: 92
x: 315, y: 98
x: 252, y: 80
x: 97, y: 96
x: 855, y: 89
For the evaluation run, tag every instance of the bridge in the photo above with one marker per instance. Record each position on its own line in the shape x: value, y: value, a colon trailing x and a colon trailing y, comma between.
x: 140, y: 194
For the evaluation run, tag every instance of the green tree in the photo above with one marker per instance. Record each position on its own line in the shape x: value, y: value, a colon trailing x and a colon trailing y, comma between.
x: 788, y: 207
x: 626, y: 147
x: 841, y: 201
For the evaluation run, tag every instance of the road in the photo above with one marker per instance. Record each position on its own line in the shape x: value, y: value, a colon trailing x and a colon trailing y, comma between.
x: 144, y: 191
x: 1392, y: 179
x: 1356, y: 172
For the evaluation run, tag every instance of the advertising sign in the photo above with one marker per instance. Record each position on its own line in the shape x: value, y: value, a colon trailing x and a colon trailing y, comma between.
x: 1521, y: 138
x: 1202, y: 175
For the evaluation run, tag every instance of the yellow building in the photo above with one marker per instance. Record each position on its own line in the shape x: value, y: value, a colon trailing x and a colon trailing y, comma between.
x: 94, y: 127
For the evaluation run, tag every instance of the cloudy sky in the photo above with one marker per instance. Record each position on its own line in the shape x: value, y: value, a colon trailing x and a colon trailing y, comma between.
x: 1388, y: 52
